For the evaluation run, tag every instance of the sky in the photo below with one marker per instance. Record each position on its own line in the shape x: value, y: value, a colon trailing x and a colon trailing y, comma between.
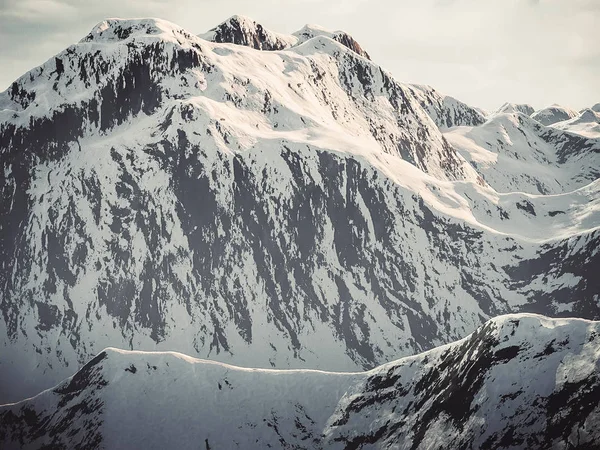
x: 483, y: 52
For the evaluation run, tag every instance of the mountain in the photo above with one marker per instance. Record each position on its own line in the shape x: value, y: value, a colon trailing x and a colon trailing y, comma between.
x: 586, y: 123
x: 514, y: 153
x: 553, y: 114
x: 293, y: 208
x: 516, y: 108
x: 242, y: 30
x: 519, y: 381
x: 311, y: 31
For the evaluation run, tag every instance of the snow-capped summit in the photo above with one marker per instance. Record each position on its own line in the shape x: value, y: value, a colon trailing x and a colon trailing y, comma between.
x: 116, y: 29
x: 553, y: 114
x: 523, y: 108
x: 311, y: 31
x: 587, y: 124
x: 587, y: 115
x: 241, y: 30
x: 515, y: 153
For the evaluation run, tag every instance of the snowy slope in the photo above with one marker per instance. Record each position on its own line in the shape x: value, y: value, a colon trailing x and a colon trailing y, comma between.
x: 519, y: 381
x: 586, y: 123
x: 445, y: 111
x: 514, y: 153
x: 553, y: 114
x: 311, y: 31
x: 285, y: 208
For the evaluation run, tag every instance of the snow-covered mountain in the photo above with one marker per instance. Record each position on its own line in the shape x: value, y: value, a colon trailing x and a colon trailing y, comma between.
x: 291, y: 207
x: 553, y: 114
x: 241, y: 30
x: 586, y: 123
x: 445, y: 111
x: 514, y: 153
x: 519, y: 381
x: 516, y: 108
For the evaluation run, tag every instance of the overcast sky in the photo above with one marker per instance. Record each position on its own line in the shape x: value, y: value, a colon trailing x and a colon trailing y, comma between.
x: 483, y: 52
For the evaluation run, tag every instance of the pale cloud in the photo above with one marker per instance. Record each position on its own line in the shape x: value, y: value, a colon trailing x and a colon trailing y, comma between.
x: 38, y: 10
x: 483, y: 52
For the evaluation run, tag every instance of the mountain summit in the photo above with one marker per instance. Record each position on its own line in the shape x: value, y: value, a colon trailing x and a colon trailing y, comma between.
x: 241, y: 30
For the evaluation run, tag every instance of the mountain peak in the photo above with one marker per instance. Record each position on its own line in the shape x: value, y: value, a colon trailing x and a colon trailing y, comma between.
x: 239, y: 18
x: 589, y: 115
x: 117, y: 29
x: 275, y: 209
x: 516, y: 107
x: 242, y: 30
x: 309, y: 31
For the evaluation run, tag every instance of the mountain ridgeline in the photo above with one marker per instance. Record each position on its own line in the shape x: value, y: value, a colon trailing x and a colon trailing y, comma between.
x: 519, y: 381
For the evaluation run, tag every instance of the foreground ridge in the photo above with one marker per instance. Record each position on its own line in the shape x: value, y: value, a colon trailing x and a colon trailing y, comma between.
x: 519, y: 381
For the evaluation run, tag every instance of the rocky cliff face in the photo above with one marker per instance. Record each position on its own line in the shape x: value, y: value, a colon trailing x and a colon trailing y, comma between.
x: 282, y: 208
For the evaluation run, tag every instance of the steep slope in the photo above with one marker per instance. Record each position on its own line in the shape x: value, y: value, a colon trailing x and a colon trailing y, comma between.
x: 294, y: 208
x: 553, y: 114
x: 519, y: 381
x: 445, y: 111
x: 514, y: 152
